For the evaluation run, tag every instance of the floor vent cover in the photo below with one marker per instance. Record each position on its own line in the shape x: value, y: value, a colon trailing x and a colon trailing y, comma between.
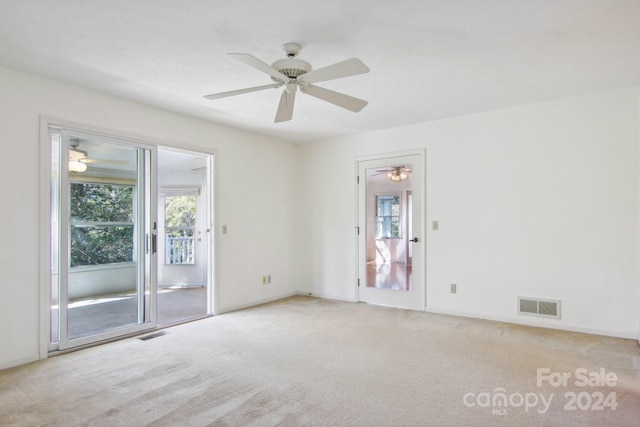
x: 152, y: 336
x: 539, y: 307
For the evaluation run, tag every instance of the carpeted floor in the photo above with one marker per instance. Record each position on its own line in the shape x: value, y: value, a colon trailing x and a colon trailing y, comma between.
x: 308, y: 361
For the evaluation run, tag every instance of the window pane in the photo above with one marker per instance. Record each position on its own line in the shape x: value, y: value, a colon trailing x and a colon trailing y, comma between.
x: 388, y: 216
x: 173, y: 233
x: 95, y: 244
x: 179, y: 223
x: 92, y: 245
x: 180, y: 211
x: 101, y: 202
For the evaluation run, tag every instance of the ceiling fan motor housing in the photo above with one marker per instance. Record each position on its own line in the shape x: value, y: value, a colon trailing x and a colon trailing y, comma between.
x: 291, y: 67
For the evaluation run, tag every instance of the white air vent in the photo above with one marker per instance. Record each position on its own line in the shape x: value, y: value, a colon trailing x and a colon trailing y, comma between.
x: 539, y: 307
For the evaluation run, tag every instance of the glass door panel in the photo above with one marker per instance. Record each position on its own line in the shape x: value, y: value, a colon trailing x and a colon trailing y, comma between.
x: 106, y: 242
x: 390, y: 243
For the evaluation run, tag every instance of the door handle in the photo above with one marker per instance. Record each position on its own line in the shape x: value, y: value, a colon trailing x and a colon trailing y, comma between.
x: 414, y: 240
x: 154, y: 243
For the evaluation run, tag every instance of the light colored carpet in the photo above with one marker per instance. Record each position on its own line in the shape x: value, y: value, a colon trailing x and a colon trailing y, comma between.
x: 308, y: 361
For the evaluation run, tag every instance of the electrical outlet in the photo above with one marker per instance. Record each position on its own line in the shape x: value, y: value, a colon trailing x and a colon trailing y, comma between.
x: 264, y: 280
x: 269, y: 279
x: 453, y: 288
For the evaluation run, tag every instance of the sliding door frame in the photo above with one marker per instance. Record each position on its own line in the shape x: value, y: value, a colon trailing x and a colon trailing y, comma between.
x: 144, y: 231
x: 45, y: 227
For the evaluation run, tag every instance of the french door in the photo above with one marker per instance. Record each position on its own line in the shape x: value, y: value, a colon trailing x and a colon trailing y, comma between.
x: 104, y: 238
x: 390, y: 223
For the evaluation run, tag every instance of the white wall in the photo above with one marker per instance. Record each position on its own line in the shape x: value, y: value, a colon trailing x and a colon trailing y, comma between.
x: 539, y: 200
x: 255, y: 195
x: 88, y: 282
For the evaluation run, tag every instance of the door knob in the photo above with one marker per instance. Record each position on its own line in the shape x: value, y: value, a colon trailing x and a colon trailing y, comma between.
x: 415, y: 240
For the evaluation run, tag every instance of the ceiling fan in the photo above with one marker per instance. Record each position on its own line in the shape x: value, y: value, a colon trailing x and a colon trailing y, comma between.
x: 293, y: 73
x: 78, y: 159
x: 395, y: 173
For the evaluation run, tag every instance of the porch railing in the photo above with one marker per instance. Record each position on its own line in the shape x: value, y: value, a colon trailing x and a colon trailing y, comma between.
x: 179, y: 250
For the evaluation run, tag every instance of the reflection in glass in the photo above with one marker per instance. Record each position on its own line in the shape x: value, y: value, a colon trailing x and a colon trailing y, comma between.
x: 388, y: 255
x: 388, y: 216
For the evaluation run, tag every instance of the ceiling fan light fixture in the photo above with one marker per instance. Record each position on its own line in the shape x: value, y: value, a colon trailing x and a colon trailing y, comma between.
x: 77, y: 166
x: 397, y: 175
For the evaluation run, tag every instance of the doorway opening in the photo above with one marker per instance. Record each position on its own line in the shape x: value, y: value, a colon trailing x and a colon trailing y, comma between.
x: 184, y: 231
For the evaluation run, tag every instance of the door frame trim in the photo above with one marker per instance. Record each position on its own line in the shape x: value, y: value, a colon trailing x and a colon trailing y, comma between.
x: 358, y: 228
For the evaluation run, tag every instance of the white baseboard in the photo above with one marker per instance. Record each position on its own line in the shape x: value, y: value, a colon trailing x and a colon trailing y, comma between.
x: 533, y: 323
x: 635, y: 335
x: 326, y: 296
x: 257, y: 302
x: 18, y: 362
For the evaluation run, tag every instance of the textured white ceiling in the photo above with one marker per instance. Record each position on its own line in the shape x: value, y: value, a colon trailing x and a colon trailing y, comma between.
x: 429, y: 59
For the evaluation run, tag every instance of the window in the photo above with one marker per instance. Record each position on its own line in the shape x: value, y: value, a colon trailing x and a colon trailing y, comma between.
x: 388, y: 216
x: 179, y: 227
x: 101, y: 224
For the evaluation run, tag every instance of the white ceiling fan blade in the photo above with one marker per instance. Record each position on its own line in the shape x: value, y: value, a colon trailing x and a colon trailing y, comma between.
x: 259, y: 65
x: 336, y: 98
x: 350, y: 67
x: 285, y: 108
x: 241, y: 91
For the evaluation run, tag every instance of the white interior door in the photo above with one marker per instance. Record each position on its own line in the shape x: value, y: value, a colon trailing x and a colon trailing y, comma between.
x: 391, y: 223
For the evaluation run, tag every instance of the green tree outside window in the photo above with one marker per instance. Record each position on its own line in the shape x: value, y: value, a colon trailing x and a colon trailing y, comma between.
x: 102, y: 224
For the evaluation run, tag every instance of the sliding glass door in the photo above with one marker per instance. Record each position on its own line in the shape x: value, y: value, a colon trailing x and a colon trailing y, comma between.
x: 104, y: 238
